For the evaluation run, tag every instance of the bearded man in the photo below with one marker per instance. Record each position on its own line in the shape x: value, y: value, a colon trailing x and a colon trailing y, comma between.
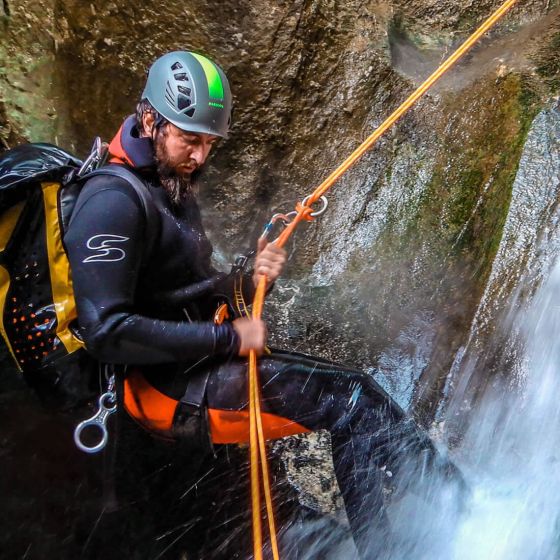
x: 147, y: 294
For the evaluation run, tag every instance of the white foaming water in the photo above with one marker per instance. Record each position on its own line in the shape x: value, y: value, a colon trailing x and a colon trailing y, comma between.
x: 512, y: 449
x: 510, y: 457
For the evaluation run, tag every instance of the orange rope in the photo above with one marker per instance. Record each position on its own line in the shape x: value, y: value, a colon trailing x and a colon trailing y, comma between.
x: 257, y: 446
x: 254, y: 447
x: 266, y: 477
x: 303, y: 213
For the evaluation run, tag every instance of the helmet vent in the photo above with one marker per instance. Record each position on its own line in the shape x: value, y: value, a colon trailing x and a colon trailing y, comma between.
x: 185, y: 90
x: 182, y: 77
x: 169, y: 95
x: 183, y: 102
x: 190, y: 112
x: 169, y: 91
x: 176, y: 66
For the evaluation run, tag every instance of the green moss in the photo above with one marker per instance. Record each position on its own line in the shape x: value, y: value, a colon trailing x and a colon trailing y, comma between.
x: 442, y: 260
x: 549, y: 63
x: 29, y: 103
x: 471, y: 185
x: 401, y: 30
x: 438, y: 251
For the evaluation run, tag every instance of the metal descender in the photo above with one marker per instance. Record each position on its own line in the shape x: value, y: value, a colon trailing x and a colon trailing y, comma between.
x: 107, y: 405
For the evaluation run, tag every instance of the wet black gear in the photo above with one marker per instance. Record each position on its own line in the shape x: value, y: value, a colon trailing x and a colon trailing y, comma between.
x: 121, y: 291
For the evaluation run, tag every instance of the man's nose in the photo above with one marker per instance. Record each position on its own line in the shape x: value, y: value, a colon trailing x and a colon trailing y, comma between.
x: 200, y: 153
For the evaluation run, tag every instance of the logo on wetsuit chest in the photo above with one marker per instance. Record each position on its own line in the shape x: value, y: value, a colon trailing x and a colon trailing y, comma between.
x: 103, y: 244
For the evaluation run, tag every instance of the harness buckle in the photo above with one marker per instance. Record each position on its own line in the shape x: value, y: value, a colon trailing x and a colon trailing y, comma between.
x: 240, y: 263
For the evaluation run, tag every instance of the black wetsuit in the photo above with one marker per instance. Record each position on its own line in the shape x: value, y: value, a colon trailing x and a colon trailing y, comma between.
x: 119, y: 278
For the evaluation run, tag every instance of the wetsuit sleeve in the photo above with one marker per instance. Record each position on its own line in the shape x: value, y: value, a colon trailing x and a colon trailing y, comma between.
x: 105, y: 242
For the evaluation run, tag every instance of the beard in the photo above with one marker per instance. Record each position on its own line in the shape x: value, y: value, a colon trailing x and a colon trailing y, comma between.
x: 179, y: 187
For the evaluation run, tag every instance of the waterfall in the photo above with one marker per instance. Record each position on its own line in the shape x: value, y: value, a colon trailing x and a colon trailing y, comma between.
x: 510, y: 451
x: 510, y: 456
x: 510, y: 441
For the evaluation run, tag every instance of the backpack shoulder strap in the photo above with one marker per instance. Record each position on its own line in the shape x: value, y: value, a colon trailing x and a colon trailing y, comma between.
x: 143, y: 192
x: 134, y: 181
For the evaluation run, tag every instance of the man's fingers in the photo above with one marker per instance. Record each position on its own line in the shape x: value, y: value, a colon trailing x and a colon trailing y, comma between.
x: 265, y: 248
x: 264, y: 271
x: 270, y: 262
x: 275, y: 250
x: 268, y: 255
x: 252, y: 335
x: 269, y: 268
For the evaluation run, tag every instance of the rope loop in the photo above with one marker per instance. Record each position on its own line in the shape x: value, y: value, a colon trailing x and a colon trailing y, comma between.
x: 306, y: 211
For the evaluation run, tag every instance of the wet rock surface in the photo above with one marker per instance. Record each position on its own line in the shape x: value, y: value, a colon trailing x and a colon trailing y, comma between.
x: 391, y: 278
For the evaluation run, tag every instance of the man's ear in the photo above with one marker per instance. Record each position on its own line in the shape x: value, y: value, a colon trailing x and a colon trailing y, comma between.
x: 148, y: 121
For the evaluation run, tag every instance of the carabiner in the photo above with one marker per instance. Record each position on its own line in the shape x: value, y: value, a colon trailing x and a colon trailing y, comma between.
x: 96, y: 158
x: 285, y: 218
x: 98, y: 420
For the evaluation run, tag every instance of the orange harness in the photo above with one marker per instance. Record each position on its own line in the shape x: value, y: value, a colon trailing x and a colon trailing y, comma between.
x: 155, y: 412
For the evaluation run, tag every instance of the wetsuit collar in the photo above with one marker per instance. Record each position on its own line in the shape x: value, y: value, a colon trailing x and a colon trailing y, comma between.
x: 128, y: 147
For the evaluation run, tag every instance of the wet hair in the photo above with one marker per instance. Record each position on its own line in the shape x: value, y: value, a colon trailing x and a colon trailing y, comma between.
x: 145, y: 107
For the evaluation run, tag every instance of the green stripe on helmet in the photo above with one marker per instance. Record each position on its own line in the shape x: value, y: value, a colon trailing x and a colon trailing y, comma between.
x: 215, y: 86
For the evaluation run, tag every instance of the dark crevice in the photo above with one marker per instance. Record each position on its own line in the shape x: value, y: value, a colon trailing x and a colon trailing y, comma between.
x: 6, y: 7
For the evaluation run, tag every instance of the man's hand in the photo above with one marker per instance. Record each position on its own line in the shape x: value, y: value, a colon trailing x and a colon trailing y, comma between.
x: 270, y: 261
x: 252, y: 335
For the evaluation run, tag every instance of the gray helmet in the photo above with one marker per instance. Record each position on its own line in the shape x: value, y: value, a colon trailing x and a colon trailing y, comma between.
x: 190, y: 91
